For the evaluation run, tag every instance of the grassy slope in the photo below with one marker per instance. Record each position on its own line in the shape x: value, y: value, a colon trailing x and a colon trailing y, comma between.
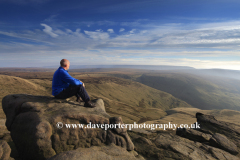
x: 15, y: 85
x: 132, y: 101
x: 197, y: 91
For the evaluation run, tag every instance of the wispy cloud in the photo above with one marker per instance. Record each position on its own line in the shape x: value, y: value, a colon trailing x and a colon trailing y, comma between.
x: 167, y: 36
x: 97, y: 35
x: 110, y: 30
x: 48, y: 30
x: 136, y: 45
x: 132, y: 31
x: 121, y: 30
x: 98, y: 23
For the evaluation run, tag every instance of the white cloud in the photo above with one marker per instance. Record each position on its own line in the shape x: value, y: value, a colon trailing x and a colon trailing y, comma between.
x: 166, y: 36
x: 69, y: 31
x: 206, y: 41
x: 48, y: 30
x: 78, y: 30
x: 110, y: 30
x: 121, y: 30
x: 97, y: 35
x: 132, y: 31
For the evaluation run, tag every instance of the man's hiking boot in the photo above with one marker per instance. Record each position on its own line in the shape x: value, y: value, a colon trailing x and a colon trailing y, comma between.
x: 89, y: 104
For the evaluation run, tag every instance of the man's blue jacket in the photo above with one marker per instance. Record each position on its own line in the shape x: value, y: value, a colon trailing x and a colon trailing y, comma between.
x: 61, y: 80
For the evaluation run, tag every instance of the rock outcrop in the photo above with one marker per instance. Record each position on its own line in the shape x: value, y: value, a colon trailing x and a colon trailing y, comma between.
x: 208, y: 122
x: 193, y: 135
x: 39, y: 128
x: 225, y: 136
x: 165, y: 145
x: 4, y: 133
x: 214, y: 140
x: 34, y: 123
x: 5, y: 150
x: 220, y: 141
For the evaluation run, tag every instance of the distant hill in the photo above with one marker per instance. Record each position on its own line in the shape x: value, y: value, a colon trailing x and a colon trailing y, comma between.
x: 201, y: 92
x: 148, y: 67
x: 13, y: 69
x: 223, y: 73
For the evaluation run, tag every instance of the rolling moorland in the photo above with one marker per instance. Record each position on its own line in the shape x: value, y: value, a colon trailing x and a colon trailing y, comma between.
x: 136, y: 95
x: 133, y: 101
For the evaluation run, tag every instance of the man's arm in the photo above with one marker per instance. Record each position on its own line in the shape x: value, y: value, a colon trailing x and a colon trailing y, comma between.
x: 67, y: 78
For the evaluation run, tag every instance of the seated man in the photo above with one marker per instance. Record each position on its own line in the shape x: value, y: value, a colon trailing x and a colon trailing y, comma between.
x: 65, y: 86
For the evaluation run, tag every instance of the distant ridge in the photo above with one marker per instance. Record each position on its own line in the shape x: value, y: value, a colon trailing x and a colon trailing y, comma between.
x: 149, y: 67
x: 234, y: 74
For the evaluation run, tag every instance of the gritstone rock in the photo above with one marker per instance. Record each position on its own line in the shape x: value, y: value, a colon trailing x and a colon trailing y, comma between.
x: 32, y: 122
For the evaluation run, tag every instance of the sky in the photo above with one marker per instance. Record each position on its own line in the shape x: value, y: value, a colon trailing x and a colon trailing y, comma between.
x: 200, y: 34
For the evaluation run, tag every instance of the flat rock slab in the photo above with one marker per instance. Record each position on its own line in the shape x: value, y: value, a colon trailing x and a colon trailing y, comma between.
x: 110, y: 152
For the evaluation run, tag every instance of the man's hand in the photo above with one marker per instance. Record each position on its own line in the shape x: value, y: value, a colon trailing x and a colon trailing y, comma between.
x: 83, y: 84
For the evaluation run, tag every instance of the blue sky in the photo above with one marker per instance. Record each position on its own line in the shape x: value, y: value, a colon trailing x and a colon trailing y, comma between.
x: 200, y: 34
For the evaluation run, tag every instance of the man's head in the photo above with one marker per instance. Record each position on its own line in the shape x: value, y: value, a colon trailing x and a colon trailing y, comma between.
x: 65, y: 64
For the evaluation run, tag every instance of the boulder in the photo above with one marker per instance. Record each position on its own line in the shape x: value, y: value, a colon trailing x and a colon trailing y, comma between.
x: 216, y: 140
x: 225, y: 134
x: 110, y: 152
x: 4, y: 133
x: 5, y: 150
x: 41, y: 126
x: 208, y: 122
x: 221, y: 141
x: 165, y: 145
x: 193, y: 134
x: 191, y: 149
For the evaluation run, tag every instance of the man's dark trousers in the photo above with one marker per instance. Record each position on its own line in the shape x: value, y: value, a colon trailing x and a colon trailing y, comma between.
x: 78, y: 91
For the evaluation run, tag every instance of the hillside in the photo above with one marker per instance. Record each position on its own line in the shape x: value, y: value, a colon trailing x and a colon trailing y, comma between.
x: 200, y: 92
x: 133, y: 101
x: 16, y: 85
